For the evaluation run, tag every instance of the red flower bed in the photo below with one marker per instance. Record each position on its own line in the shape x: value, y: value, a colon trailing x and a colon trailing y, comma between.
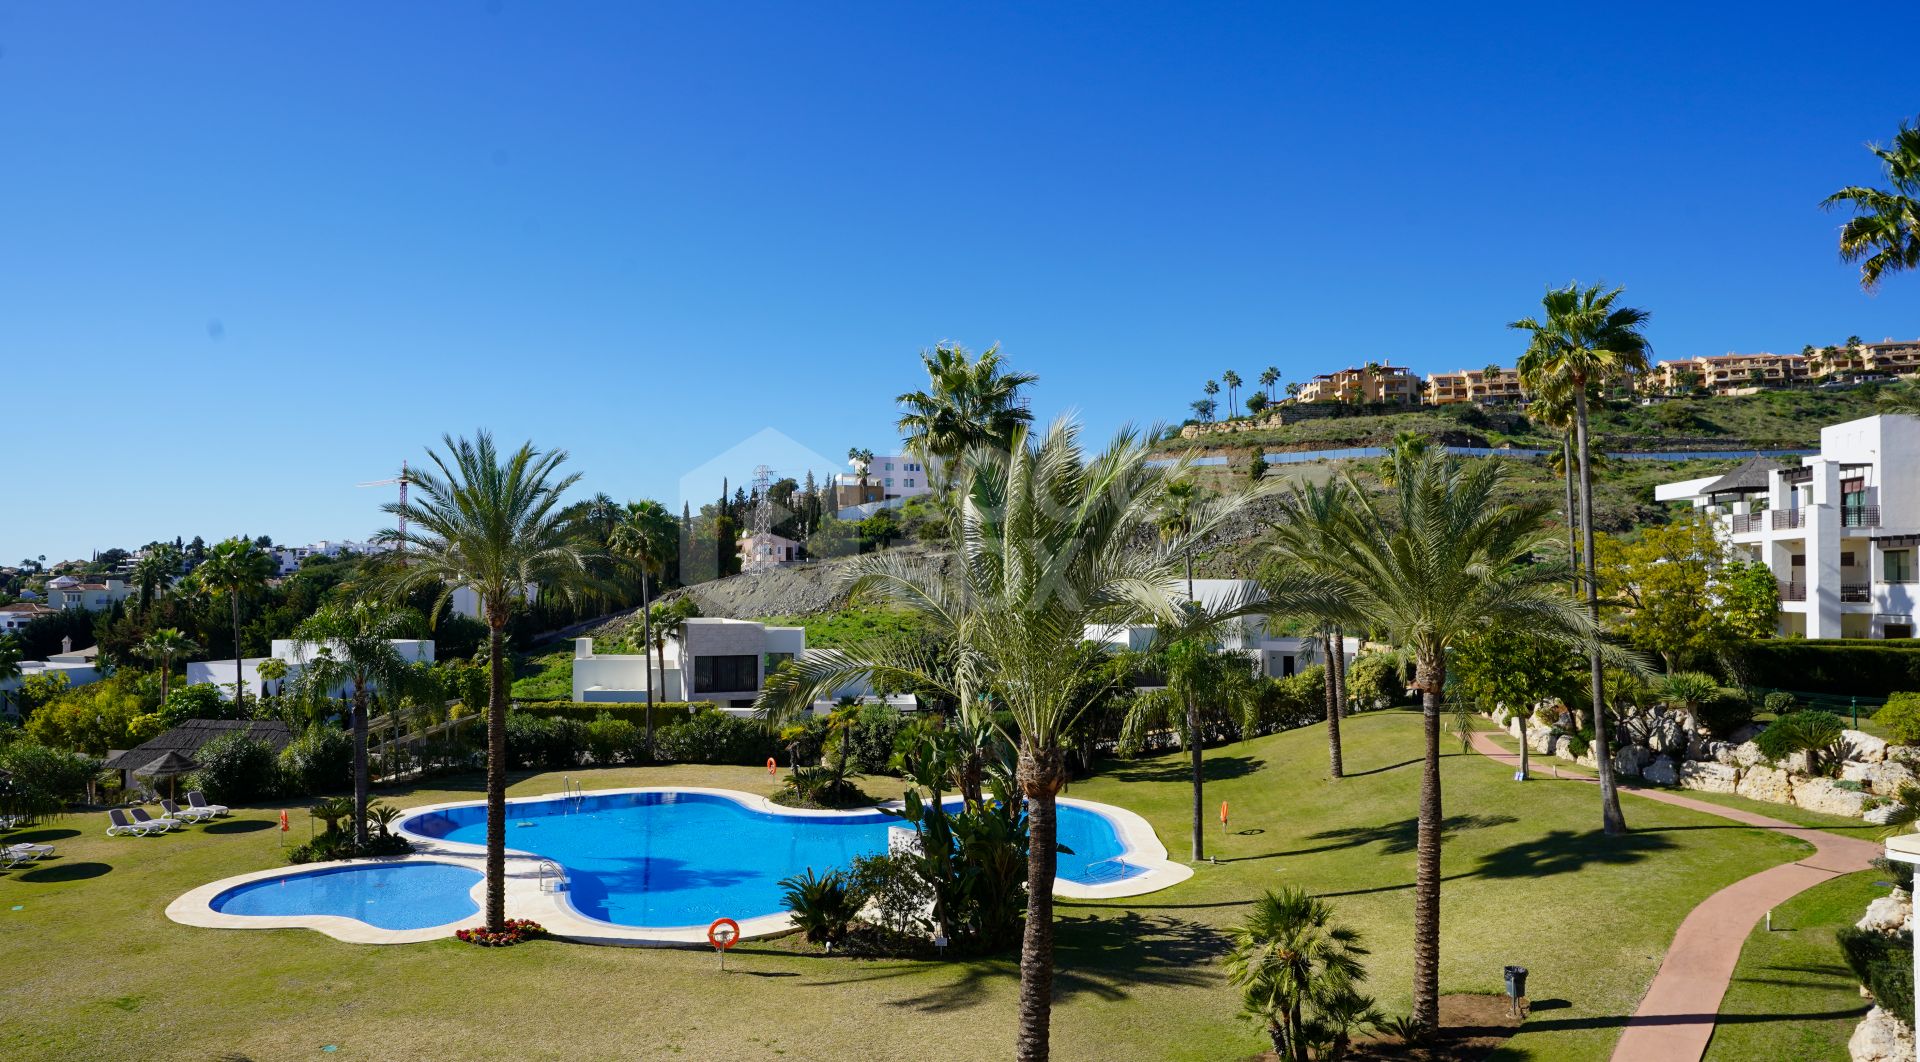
x: 517, y: 930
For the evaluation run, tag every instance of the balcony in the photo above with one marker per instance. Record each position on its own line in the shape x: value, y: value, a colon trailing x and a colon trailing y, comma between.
x: 1855, y: 593
x: 1793, y: 591
x: 1860, y: 516
x: 1745, y: 522
x: 1784, y: 519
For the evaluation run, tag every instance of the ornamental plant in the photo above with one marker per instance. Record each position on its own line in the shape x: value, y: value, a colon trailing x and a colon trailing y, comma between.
x: 512, y: 931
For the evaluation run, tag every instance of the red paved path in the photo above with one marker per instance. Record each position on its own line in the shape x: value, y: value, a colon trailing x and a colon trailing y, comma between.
x: 1675, y: 1018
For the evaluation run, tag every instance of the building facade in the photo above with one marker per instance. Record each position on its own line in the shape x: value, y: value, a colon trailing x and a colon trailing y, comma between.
x: 1729, y: 374
x: 65, y: 592
x: 1368, y: 385
x: 1276, y: 656
x: 888, y: 477
x: 1474, y: 385
x: 1841, y: 533
x: 219, y: 673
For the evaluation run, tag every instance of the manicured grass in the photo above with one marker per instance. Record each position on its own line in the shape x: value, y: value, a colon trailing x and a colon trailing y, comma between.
x: 95, y: 970
x: 1792, y: 997
x: 545, y: 674
x: 835, y: 630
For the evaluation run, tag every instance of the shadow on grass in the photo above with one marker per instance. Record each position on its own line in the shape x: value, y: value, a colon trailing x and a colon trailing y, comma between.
x: 1381, y: 770
x: 40, y: 835
x: 1556, y: 852
x: 238, y: 826
x: 1213, y: 769
x: 55, y: 872
x: 1394, y: 838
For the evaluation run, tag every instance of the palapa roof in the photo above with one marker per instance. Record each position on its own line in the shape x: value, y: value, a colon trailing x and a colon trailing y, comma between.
x: 1749, y: 478
x: 187, y: 738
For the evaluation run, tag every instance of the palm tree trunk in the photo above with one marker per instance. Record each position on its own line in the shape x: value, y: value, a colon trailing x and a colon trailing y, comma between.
x: 1522, y: 716
x: 239, y: 701
x: 1573, y: 520
x: 1612, y: 821
x: 1426, y: 879
x: 1340, y: 668
x: 1199, y: 798
x: 646, y: 653
x: 359, y: 761
x: 497, y: 770
x: 166, y: 675
x: 1334, y: 766
x: 1041, y: 774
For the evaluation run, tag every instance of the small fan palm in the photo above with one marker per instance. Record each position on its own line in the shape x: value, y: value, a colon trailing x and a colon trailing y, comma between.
x: 1299, y: 974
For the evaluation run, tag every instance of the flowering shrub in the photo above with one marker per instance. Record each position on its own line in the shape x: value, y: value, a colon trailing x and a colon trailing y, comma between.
x: 516, y: 930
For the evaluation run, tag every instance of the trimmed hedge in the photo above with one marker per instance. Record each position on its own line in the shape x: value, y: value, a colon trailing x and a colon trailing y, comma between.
x: 1883, y: 962
x: 1850, y: 667
x: 664, y: 712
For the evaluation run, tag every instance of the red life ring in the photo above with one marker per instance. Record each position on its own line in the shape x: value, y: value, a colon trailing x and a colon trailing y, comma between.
x: 772, y: 767
x: 721, y: 940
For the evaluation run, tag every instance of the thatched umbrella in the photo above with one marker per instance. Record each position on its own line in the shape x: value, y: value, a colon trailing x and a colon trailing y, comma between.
x: 171, y: 763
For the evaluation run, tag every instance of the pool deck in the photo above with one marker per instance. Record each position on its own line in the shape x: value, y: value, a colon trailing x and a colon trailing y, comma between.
x: 527, y: 897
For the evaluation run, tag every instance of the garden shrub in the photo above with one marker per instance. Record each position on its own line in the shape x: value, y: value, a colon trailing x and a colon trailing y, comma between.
x: 823, y: 906
x: 1818, y: 734
x: 1724, y: 712
x: 713, y: 736
x: 1287, y: 703
x: 320, y: 760
x: 611, y: 741
x: 664, y: 712
x: 873, y: 735
x: 1374, y: 680
x: 236, y: 769
x: 1883, y: 962
x: 892, y: 883
x: 41, y: 781
x: 1901, y: 717
x: 537, y: 742
x: 201, y: 700
x: 1857, y: 667
x: 1780, y: 702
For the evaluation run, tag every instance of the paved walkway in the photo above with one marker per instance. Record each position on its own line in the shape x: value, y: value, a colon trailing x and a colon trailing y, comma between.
x: 1675, y: 1018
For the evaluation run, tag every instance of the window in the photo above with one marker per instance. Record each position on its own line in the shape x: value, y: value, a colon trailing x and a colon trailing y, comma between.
x: 889, y: 481
x: 1846, y: 559
x: 1896, y: 566
x: 909, y: 481
x: 889, y: 466
x: 1897, y: 630
x: 724, y: 673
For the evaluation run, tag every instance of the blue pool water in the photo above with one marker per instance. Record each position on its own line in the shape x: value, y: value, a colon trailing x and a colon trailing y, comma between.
x: 390, y: 896
x: 684, y: 859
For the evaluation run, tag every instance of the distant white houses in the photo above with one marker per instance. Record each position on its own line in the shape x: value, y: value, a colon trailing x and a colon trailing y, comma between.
x: 1841, y: 533
x: 888, y: 477
x: 15, y: 617
x: 220, y: 672
x: 768, y: 550
x: 288, y: 558
x: 725, y: 661
x: 80, y: 667
x: 1278, y: 656
x: 65, y: 592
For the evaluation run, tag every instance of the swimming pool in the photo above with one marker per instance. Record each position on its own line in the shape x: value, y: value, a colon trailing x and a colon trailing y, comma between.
x: 394, y: 896
x: 675, y: 859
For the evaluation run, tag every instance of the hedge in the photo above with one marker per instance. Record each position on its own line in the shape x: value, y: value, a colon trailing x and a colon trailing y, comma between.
x: 664, y: 712
x: 1857, y: 667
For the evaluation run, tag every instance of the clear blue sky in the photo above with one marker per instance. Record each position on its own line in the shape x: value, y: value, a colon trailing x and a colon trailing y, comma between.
x: 253, y: 254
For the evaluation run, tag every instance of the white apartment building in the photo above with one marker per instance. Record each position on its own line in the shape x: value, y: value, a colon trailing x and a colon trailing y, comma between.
x: 65, y: 592
x: 1278, y: 656
x: 288, y: 558
x: 899, y: 475
x: 1841, y: 532
x: 80, y: 667
x: 220, y: 672
x: 725, y: 661
x: 15, y: 617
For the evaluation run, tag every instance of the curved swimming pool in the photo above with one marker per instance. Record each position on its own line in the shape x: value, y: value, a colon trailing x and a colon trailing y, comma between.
x: 680, y: 858
x: 396, y: 896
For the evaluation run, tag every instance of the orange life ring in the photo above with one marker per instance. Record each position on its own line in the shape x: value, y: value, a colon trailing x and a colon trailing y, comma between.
x: 720, y: 940
x: 772, y: 767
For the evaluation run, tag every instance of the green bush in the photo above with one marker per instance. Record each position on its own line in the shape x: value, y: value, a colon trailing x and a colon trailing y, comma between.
x: 1372, y: 679
x: 664, y: 712
x: 320, y: 760
x: 1286, y: 703
x: 1855, y: 667
x: 1901, y: 718
x: 611, y: 741
x: 823, y: 906
x: 1883, y: 962
x: 1725, y: 711
x: 1818, y: 734
x: 40, y: 781
x: 712, y: 736
x: 873, y: 735
x: 1780, y: 702
x: 236, y: 769
x: 201, y: 700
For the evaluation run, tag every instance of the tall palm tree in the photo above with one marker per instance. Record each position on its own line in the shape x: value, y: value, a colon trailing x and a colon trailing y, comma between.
x: 155, y: 572
x: 1581, y: 343
x: 861, y: 459
x: 1884, y: 233
x: 491, y: 523
x: 1212, y: 388
x: 10, y: 656
x: 969, y: 402
x: 352, y: 645
x: 1047, y: 541
x: 1552, y: 405
x: 1268, y: 377
x: 1306, y: 534
x: 646, y: 535
x: 1440, y: 557
x: 234, y: 569
x: 163, y: 645
x: 1232, y: 380
x: 1297, y: 969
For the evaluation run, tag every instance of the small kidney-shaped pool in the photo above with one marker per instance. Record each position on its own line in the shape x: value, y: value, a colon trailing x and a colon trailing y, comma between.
x: 396, y: 896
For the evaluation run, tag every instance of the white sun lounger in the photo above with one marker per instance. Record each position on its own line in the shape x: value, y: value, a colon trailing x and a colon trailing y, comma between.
x: 162, y: 821
x: 121, y: 825
x: 175, y: 811
x: 197, y: 799
x: 31, y: 851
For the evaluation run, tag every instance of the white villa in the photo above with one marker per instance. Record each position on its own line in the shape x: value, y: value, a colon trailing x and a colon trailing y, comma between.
x: 220, y: 672
x: 1278, y: 656
x: 16, y: 616
x: 726, y: 660
x: 80, y: 666
x: 889, y: 478
x: 1841, y: 533
x: 67, y: 592
x: 287, y: 558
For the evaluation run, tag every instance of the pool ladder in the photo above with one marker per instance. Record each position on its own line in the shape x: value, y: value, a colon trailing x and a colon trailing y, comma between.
x: 551, y: 871
x: 573, y: 792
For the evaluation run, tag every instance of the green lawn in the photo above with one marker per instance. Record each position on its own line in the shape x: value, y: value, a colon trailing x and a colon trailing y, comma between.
x: 544, y: 674
x: 1796, y: 971
x: 94, y: 969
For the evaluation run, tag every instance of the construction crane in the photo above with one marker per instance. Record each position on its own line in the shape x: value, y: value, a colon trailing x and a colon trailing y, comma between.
x: 402, y: 479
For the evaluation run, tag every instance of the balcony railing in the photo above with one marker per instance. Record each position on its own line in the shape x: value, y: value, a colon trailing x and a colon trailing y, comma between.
x: 1787, y: 518
x: 1793, y: 591
x: 1860, y: 516
x: 1745, y: 522
x: 1855, y: 593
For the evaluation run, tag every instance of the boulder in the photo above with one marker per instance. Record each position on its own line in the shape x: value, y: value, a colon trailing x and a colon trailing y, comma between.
x: 1708, y: 777
x: 1770, y: 784
x: 1746, y: 754
x: 1864, y: 747
x: 1564, y: 750
x: 1881, y: 815
x: 1513, y: 727
x: 1660, y: 771
x: 1631, y: 760
x: 1881, y: 1037
x: 1544, y: 741
x: 1668, y: 734
x: 1743, y: 735
x: 1885, y: 778
x: 1824, y: 795
x: 1723, y: 753
x: 1904, y: 753
x: 1892, y: 913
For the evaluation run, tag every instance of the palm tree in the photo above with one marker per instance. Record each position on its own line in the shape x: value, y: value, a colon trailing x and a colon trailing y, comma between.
x: 1884, y: 233
x: 490, y: 524
x: 234, y: 569
x: 1232, y: 380
x: 646, y: 535
x: 668, y: 619
x: 1268, y: 377
x: 1293, y: 389
x: 1048, y: 540
x: 352, y: 645
x: 861, y: 459
x: 1582, y: 342
x: 1299, y: 974
x: 163, y: 645
x: 1204, y: 409
x: 155, y: 572
x: 1307, y: 534
x: 970, y: 403
x: 10, y: 656
x: 1212, y: 388
x: 1552, y: 406
x: 1407, y: 446
x: 1442, y: 556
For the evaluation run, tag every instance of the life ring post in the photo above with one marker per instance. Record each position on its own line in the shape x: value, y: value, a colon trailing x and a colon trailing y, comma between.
x: 723, y: 934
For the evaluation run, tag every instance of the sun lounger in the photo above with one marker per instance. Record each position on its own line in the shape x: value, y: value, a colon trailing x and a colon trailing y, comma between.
x: 175, y: 811
x: 198, y: 799
x: 121, y: 824
x: 31, y: 851
x: 165, y: 823
x: 10, y: 859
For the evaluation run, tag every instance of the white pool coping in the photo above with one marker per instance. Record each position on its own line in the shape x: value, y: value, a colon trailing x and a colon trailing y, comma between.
x: 527, y: 899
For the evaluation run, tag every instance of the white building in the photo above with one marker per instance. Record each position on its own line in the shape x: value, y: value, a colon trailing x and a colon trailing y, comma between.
x: 80, y: 667
x: 288, y: 558
x: 899, y: 475
x: 1279, y: 656
x: 220, y: 672
x: 466, y: 602
x: 725, y: 661
x: 15, y: 617
x: 1841, y: 533
x: 67, y: 592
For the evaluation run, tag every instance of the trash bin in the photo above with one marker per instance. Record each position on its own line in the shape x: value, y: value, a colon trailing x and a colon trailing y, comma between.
x: 1516, y: 986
